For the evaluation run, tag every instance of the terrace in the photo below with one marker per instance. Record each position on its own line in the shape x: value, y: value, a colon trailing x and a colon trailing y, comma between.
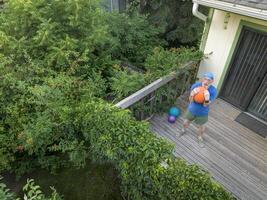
x: 235, y: 156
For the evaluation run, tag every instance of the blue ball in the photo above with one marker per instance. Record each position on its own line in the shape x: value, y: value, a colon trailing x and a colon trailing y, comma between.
x: 174, y: 112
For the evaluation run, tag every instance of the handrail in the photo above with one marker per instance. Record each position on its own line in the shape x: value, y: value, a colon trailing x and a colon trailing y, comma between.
x: 135, y: 97
x: 125, y: 103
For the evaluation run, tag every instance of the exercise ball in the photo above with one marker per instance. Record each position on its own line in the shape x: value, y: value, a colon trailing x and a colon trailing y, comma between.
x: 174, y: 112
x: 171, y: 119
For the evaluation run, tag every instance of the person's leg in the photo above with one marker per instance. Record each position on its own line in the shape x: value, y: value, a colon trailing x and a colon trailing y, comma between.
x: 185, y: 126
x: 201, y: 129
x: 189, y: 117
x: 186, y: 123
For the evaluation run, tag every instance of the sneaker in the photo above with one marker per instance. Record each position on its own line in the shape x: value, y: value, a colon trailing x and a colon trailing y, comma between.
x: 201, y: 142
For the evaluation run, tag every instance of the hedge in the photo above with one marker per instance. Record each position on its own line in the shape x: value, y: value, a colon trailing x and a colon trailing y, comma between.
x: 147, y: 167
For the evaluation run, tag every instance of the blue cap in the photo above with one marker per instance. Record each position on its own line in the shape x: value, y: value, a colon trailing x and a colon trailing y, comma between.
x: 208, y: 75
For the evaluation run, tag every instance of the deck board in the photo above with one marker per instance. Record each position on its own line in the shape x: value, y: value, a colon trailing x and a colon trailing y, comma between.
x: 234, y: 155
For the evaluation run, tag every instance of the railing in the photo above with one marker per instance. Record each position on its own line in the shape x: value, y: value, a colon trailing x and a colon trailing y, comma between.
x: 160, y: 94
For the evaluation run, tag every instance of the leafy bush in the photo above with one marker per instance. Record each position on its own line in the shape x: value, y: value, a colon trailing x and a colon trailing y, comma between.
x: 180, y: 26
x: 38, y: 120
x: 5, y: 193
x: 31, y: 192
x: 52, y: 57
x: 163, y: 62
x: 51, y: 53
x: 133, y: 37
x: 139, y: 156
x: 124, y: 83
x: 69, y: 36
x: 160, y: 63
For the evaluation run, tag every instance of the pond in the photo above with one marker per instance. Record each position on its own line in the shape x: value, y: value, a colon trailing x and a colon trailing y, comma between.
x: 94, y: 182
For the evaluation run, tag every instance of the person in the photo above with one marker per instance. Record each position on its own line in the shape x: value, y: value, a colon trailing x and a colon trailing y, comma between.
x: 198, y: 112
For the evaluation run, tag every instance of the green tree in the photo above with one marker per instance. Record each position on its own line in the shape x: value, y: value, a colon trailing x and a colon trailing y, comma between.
x: 134, y: 37
x: 181, y: 27
x: 67, y: 36
x: 51, y: 54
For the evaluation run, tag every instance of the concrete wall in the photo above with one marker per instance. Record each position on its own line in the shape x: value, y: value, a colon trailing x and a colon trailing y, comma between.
x: 220, y: 41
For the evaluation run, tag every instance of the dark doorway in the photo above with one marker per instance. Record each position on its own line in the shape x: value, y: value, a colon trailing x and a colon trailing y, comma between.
x: 245, y: 83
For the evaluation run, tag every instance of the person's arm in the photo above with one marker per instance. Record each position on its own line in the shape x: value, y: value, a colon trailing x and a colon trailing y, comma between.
x: 210, y: 97
x: 194, y: 90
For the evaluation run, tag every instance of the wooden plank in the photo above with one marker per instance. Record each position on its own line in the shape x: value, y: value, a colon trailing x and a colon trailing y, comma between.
x: 215, y: 129
x: 217, y: 173
x: 252, y: 154
x: 234, y: 138
x: 142, y: 111
x: 239, y: 178
x: 236, y: 156
x: 239, y: 131
x: 240, y: 155
x: 223, y: 117
x: 125, y: 103
x: 214, y: 151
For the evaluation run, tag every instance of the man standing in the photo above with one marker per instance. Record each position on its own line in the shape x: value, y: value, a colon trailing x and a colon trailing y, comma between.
x: 198, y: 112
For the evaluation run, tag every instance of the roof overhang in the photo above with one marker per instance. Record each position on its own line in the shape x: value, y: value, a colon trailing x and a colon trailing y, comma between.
x: 234, y: 8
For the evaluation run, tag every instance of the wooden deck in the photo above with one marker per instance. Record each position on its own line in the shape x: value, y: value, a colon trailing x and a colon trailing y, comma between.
x: 235, y: 156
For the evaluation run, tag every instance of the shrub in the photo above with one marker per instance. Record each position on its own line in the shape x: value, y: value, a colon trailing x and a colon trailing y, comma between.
x: 133, y: 37
x: 31, y: 192
x: 68, y: 36
x: 5, y: 193
x: 124, y: 83
x: 162, y: 61
x: 139, y: 155
x: 180, y: 26
x: 38, y: 117
x: 48, y: 60
x: 52, y: 56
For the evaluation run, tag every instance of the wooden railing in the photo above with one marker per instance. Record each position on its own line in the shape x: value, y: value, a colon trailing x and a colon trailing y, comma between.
x: 160, y: 94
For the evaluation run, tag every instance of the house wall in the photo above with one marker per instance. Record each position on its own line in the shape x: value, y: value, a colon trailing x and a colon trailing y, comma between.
x: 221, y: 41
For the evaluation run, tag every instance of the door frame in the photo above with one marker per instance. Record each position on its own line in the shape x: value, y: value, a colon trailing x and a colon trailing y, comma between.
x: 232, y: 52
x: 225, y: 84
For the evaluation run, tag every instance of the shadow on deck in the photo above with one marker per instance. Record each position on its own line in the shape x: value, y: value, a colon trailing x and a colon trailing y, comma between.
x: 234, y: 155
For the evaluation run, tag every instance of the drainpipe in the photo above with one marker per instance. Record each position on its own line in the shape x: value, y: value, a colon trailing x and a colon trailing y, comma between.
x: 197, y: 13
x: 111, y: 5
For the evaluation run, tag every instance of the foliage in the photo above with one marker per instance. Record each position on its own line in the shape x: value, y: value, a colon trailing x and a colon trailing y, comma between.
x: 48, y: 60
x: 138, y: 155
x: 160, y: 63
x: 38, y: 120
x: 31, y: 192
x: 124, y: 83
x: 163, y: 62
x: 181, y: 27
x: 52, y: 58
x: 55, y: 34
x: 133, y: 37
x: 5, y: 193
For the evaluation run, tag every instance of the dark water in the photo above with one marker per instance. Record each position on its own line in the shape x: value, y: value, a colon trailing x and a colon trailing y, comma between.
x: 94, y: 182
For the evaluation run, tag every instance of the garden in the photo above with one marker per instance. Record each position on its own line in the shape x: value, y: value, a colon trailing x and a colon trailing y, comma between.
x: 64, y: 64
